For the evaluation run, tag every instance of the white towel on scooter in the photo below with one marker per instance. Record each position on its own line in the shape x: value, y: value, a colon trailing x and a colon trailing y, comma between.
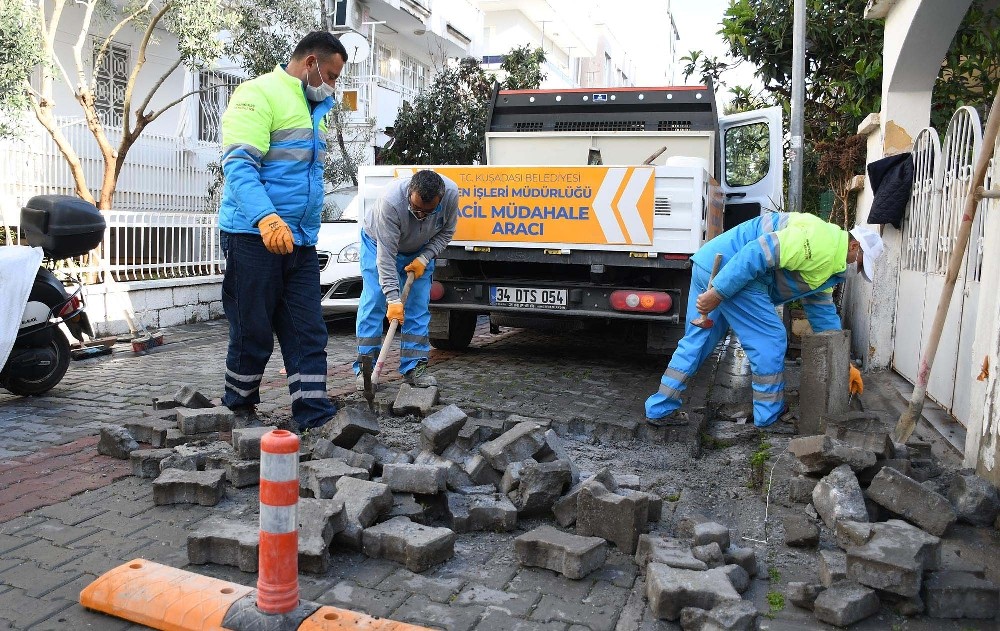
x: 18, y: 266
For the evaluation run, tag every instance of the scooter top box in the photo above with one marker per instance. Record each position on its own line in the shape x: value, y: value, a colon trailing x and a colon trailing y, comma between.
x: 62, y: 225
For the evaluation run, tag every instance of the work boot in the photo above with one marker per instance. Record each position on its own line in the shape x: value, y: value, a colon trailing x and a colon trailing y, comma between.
x: 246, y: 416
x: 673, y: 419
x: 418, y: 377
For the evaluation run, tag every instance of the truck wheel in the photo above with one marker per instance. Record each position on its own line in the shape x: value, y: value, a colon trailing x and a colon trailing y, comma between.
x: 461, y: 327
x: 28, y: 387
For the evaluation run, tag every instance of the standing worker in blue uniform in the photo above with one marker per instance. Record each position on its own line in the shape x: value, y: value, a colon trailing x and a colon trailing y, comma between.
x: 767, y: 261
x: 274, y: 136
x: 413, y: 221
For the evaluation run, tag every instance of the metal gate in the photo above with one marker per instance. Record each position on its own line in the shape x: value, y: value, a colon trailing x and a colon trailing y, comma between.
x: 942, y: 177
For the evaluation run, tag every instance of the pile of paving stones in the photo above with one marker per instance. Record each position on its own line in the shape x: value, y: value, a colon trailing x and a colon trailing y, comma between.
x: 887, y: 506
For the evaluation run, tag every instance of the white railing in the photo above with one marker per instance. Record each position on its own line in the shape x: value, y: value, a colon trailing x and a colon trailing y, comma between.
x: 148, y: 246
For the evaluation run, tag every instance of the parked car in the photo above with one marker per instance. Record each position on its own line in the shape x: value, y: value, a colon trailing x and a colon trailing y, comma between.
x: 339, y: 253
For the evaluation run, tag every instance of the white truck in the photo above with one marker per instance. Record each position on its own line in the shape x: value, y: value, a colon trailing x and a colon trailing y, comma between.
x: 566, y: 226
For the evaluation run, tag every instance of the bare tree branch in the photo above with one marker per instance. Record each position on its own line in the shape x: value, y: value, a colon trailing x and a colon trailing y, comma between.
x: 156, y: 86
x: 152, y: 117
x: 139, y: 63
x: 99, y: 58
x: 44, y: 117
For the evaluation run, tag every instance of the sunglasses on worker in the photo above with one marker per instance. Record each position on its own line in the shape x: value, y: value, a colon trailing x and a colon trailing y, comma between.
x: 422, y: 213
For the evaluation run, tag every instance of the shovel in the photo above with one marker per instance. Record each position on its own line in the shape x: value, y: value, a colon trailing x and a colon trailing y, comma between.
x: 393, y: 325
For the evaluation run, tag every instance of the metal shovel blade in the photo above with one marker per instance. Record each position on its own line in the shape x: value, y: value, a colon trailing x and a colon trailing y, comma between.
x: 366, y: 374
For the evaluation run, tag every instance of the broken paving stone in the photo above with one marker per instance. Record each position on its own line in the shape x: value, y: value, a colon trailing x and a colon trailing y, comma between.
x: 440, y: 429
x: 323, y: 448
x: 894, y: 558
x: 845, y: 603
x: 710, y: 554
x: 960, y: 595
x: 318, y: 521
x: 975, y: 500
x: 707, y: 532
x: 803, y: 594
x: 800, y: 531
x: 542, y: 483
x: 832, y: 566
x: 863, y: 430
x: 668, y: 551
x: 416, y: 546
x: 670, y: 590
x: 480, y: 471
x: 426, y: 479
x: 800, y: 488
x: 455, y: 475
x: 347, y: 427
x: 913, y: 501
x: 619, y: 519
x: 729, y: 616
x: 116, y: 442
x: 853, y: 533
x: 151, y: 429
x: 865, y: 476
x: 483, y: 489
x: 176, y: 438
x: 188, y: 397
x: 196, y: 456
x: 746, y: 558
x: 318, y: 478
x: 418, y: 401
x: 174, y: 486
x: 405, y: 505
x: 565, y: 507
x: 554, y: 449
x: 225, y: 542
x: 243, y: 473
x: 571, y: 555
x: 904, y: 606
x: 246, y: 441
x: 512, y: 476
x: 520, y: 443
x: 364, y: 502
x: 737, y: 576
x: 477, y: 431
x: 382, y: 454
x: 203, y: 420
x: 838, y: 496
x: 146, y: 462
x: 821, y: 454
x: 628, y: 481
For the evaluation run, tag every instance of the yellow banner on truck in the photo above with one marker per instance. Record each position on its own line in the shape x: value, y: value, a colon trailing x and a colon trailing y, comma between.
x: 554, y: 205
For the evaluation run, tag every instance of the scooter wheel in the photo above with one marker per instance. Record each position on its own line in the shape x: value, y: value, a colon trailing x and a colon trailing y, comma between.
x: 28, y: 387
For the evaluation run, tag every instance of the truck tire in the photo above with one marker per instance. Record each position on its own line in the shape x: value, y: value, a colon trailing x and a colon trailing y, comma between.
x: 461, y: 328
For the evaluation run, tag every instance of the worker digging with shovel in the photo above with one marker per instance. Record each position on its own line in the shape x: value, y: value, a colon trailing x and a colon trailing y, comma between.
x: 766, y: 261
x: 413, y: 221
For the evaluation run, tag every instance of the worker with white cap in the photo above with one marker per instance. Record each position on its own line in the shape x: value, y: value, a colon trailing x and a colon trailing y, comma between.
x: 769, y: 260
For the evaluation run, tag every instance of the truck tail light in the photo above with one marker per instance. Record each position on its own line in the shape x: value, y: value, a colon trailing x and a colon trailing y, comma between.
x: 437, y: 291
x: 644, y: 301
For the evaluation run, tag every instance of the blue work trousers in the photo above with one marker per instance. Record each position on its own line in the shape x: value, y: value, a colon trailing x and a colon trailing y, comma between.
x: 415, y: 345
x: 751, y: 315
x: 264, y: 295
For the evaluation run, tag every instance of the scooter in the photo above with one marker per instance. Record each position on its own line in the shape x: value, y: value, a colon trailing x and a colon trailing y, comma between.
x: 63, y: 226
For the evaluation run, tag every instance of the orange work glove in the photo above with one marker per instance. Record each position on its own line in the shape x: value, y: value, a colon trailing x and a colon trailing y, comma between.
x: 857, y: 386
x: 276, y: 234
x: 417, y: 266
x: 395, y: 311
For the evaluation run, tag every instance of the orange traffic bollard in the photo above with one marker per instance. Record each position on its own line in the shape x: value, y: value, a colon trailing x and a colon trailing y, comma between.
x: 278, y: 560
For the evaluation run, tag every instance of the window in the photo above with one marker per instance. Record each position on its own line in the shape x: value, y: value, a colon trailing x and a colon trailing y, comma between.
x: 212, y: 102
x: 383, y: 62
x: 414, y: 73
x: 110, y: 80
x: 747, y: 154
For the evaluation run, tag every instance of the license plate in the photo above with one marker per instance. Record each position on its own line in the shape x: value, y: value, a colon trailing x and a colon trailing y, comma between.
x: 529, y: 298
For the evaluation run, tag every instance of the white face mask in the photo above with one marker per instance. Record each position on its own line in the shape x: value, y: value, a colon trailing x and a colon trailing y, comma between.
x: 317, y: 93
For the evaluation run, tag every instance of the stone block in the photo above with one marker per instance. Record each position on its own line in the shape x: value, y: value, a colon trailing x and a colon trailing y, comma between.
x: 426, y: 479
x: 416, y: 546
x: 832, y: 566
x: 868, y: 431
x: 188, y: 397
x: 803, y: 594
x: 739, y: 577
x: 323, y: 448
x: 405, y: 505
x: 512, y: 476
x: 822, y: 454
x: 571, y: 555
x: 364, y: 502
x: 175, y: 438
x: 198, y: 455
x: 708, y: 532
x: 865, y: 476
x: 382, y: 454
x: 542, y: 483
x: 455, y: 475
x: 826, y: 360
x: 318, y: 478
x: 554, y: 449
x: 710, y: 554
x: 174, y: 486
x: 852, y: 533
x: 975, y: 500
x: 480, y: 471
x: 913, y: 501
x: 845, y: 603
x: 619, y: 519
x: 800, y: 531
x: 521, y: 442
x: 440, y: 429
x: 477, y: 431
x: 960, y: 595
x: 319, y: 521
x: 668, y: 551
x: 564, y: 508
x: 417, y: 401
x: 225, y: 542
x: 204, y: 420
x: 116, y: 442
x: 146, y: 462
x: 670, y: 590
x: 628, y: 481
x: 746, y: 558
x: 163, y: 403
x: 483, y: 489
x: 729, y: 616
x: 349, y: 425
x: 243, y: 473
x: 685, y: 521
x: 151, y: 429
x: 246, y: 441
x: 894, y: 558
x: 470, y: 513
x: 800, y: 488
x: 838, y: 496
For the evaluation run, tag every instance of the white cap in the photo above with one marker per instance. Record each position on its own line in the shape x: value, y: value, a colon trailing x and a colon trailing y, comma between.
x: 871, y: 245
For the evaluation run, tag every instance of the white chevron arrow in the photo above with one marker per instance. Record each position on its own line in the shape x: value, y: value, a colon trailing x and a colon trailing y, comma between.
x: 628, y: 206
x: 602, y: 205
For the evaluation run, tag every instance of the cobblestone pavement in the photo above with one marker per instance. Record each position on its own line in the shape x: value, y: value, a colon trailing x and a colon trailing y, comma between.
x: 68, y: 514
